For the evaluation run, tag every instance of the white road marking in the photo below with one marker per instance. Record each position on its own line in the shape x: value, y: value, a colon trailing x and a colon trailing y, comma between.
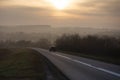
x: 89, y: 65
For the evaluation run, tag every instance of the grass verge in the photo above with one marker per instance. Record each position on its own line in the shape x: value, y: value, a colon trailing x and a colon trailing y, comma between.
x: 21, y: 64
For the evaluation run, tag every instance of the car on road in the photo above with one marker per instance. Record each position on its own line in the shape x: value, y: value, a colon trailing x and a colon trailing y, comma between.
x: 52, y: 49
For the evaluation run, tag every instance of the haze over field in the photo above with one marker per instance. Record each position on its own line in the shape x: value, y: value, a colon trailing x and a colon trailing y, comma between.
x: 36, y: 32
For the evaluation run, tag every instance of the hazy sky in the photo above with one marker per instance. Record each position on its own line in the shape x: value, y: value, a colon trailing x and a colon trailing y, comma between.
x: 78, y: 13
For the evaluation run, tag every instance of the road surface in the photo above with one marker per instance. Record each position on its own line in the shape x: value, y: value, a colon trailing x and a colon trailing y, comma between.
x: 78, y: 68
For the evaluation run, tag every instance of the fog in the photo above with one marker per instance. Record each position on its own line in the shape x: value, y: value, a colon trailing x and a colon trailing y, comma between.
x: 36, y: 32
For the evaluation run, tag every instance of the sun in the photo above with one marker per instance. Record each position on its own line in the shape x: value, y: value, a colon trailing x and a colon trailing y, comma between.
x: 60, y: 4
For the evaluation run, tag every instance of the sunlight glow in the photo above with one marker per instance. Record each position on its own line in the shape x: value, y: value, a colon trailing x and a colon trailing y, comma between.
x: 60, y: 4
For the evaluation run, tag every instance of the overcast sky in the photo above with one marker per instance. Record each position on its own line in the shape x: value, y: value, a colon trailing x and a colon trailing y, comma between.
x: 75, y: 13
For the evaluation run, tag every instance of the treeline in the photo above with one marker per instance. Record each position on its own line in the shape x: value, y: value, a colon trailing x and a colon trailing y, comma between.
x: 41, y: 43
x: 90, y: 45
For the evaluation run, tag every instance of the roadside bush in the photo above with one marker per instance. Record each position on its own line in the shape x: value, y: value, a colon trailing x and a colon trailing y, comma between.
x: 90, y: 45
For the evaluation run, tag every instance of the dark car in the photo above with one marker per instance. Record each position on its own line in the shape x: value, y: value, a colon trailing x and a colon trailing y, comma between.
x: 52, y: 49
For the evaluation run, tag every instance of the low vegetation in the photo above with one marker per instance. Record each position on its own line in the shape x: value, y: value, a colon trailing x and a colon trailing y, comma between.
x: 21, y: 64
x: 41, y: 43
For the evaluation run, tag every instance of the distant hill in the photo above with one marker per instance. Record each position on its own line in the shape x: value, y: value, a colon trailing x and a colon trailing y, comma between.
x: 24, y: 28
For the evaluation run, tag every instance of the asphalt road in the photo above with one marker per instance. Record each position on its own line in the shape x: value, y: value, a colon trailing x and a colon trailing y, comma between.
x: 79, y: 68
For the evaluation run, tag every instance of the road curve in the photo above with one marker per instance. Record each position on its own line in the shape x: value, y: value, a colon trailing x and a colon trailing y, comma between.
x: 78, y: 68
